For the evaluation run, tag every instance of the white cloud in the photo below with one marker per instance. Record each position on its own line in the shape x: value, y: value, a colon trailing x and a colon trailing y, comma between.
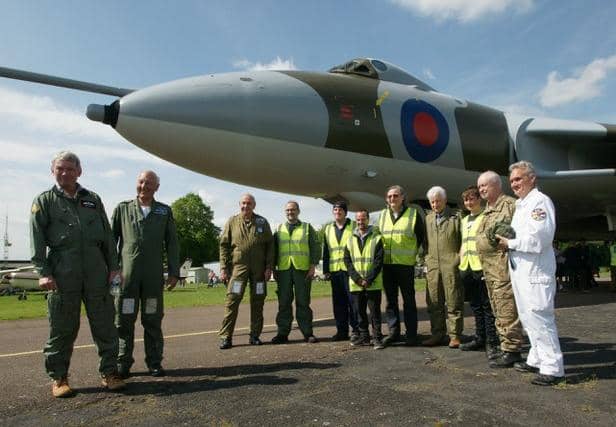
x: 585, y: 84
x: 276, y: 64
x: 43, y: 114
x: 429, y: 74
x: 462, y: 10
x: 112, y: 173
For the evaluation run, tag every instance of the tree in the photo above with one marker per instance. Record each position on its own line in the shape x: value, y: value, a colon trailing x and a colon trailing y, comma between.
x: 197, y: 234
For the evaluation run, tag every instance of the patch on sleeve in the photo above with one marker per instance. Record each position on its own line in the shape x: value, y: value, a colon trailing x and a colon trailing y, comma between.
x: 538, y: 214
x: 259, y: 220
x: 35, y: 208
x: 88, y: 204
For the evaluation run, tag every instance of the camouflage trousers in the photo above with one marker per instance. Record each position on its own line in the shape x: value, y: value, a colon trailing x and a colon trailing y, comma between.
x: 506, y: 313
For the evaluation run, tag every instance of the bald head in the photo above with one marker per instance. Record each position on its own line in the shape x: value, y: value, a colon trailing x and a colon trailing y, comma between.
x: 490, y: 186
x: 147, y: 184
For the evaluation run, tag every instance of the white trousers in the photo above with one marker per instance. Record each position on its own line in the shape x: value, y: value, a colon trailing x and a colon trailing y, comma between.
x: 535, y: 301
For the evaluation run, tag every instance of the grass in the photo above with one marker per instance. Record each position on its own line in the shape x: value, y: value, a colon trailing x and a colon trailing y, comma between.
x: 35, y: 306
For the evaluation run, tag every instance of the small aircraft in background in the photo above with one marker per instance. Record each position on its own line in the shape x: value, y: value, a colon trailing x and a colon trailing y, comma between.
x: 349, y: 133
x: 19, y: 281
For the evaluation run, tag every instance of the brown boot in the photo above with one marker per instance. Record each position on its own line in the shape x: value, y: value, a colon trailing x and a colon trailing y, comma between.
x: 454, y: 342
x: 60, y: 388
x: 113, y: 382
x: 433, y: 341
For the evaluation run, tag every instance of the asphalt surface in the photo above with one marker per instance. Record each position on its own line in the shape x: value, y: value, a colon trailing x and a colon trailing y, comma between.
x: 329, y: 383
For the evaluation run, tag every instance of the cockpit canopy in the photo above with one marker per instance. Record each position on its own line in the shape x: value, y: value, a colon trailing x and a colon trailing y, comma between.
x: 381, y: 70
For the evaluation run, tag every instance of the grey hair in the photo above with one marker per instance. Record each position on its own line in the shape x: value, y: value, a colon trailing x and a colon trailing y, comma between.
x: 526, y: 166
x: 436, y: 191
x: 150, y: 172
x: 67, y: 156
x: 492, y: 177
x: 399, y: 188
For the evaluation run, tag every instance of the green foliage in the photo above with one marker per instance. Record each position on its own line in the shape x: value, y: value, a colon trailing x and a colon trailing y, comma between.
x: 197, y: 234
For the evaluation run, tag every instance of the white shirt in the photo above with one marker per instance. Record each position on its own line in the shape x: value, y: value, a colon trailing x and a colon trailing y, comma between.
x: 534, y: 222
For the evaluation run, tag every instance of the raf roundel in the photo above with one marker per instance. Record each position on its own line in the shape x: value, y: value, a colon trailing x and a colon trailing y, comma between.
x: 424, y: 130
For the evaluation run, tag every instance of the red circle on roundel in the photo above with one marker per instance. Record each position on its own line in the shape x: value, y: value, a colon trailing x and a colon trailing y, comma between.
x: 425, y: 129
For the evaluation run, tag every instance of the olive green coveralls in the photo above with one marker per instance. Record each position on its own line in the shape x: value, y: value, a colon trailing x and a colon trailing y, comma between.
x: 142, y: 242
x: 246, y: 251
x: 81, y: 255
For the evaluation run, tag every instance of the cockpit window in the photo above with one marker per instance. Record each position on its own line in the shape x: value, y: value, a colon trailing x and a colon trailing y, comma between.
x: 381, y: 70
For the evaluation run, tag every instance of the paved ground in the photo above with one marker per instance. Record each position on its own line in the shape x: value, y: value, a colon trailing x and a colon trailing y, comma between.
x: 319, y: 384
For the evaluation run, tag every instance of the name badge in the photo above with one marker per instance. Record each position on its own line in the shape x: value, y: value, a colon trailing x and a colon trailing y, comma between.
x: 260, y: 288
x: 88, y: 204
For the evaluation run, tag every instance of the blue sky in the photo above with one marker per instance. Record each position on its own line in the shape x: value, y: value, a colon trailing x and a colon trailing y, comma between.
x: 547, y: 58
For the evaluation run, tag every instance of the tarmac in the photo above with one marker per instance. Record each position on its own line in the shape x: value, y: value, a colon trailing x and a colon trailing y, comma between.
x: 323, y: 384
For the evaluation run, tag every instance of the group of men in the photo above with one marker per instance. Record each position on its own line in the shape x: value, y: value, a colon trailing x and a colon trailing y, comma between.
x: 502, y: 253
x: 78, y: 254
x: 499, y: 255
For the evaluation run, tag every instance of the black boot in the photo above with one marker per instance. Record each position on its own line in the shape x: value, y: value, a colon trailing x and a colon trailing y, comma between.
x: 493, y: 351
x: 507, y: 359
x: 476, y: 344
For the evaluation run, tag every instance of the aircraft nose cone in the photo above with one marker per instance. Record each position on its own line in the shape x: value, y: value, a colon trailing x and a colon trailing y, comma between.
x: 96, y: 112
x: 107, y: 114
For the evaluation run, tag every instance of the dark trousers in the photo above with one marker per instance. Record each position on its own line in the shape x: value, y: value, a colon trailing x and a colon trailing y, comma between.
x: 342, y: 302
x: 400, y: 277
x: 475, y: 288
x: 364, y: 301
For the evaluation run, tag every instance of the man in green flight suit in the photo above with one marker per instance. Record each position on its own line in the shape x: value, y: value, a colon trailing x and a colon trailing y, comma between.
x: 144, y: 230
x: 246, y: 255
x: 73, y: 251
x: 298, y: 251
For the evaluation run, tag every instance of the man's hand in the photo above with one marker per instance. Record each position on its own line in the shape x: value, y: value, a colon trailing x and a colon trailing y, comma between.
x: 503, y: 242
x: 364, y: 283
x: 47, y: 283
x: 113, y: 274
x: 267, y: 274
x: 171, y: 282
x: 310, y: 273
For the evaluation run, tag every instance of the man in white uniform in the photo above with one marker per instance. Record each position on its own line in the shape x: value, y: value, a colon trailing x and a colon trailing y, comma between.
x: 532, y: 268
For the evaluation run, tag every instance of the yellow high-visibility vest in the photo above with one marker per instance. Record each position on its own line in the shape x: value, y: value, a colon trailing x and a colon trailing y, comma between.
x: 399, y: 240
x: 293, y: 249
x: 363, y: 261
x: 336, y: 249
x: 470, y: 256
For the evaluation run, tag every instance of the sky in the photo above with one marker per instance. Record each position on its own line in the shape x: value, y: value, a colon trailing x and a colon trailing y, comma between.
x: 553, y: 58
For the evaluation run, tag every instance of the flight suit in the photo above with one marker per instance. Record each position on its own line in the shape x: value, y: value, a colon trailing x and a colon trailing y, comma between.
x: 81, y: 255
x: 291, y: 276
x: 532, y: 271
x: 246, y: 251
x: 142, y: 242
x: 443, y: 278
x: 496, y: 272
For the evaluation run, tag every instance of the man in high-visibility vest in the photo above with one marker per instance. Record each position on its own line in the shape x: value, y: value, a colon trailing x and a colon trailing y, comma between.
x: 472, y: 278
x: 444, y: 293
x: 363, y: 257
x: 297, y: 253
x: 335, y: 236
x: 613, y: 264
x: 402, y: 230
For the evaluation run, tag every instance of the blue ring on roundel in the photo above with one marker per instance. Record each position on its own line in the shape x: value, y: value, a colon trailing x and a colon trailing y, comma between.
x: 418, y: 151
